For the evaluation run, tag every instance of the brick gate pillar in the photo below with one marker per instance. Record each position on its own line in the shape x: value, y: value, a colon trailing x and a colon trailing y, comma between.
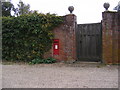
x: 118, y: 36
x: 110, y: 37
x: 65, y: 33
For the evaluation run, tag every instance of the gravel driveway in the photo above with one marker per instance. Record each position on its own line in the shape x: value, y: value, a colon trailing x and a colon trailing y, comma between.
x: 60, y: 76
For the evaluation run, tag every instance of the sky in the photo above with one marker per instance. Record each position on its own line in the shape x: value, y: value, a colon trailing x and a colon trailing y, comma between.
x: 87, y: 11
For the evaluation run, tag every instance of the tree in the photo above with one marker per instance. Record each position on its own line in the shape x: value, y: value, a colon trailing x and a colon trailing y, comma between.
x: 22, y: 8
x: 7, y: 7
x: 117, y: 7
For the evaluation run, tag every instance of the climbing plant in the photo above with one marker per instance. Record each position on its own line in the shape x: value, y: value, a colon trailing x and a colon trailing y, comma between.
x: 28, y: 37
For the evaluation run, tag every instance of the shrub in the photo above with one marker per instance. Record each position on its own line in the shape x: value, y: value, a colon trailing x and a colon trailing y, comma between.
x: 39, y: 61
x: 27, y: 37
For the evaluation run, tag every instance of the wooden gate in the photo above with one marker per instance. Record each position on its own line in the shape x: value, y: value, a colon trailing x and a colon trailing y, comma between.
x: 89, y: 42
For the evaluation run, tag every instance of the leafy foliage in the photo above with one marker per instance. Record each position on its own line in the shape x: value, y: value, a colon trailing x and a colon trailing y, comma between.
x: 39, y: 61
x: 28, y: 37
x: 7, y: 7
x: 22, y: 8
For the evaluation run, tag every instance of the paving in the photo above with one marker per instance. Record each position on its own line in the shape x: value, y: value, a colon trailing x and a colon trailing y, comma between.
x: 60, y: 75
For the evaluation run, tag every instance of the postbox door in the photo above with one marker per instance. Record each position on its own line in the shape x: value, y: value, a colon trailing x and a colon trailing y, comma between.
x: 56, y: 46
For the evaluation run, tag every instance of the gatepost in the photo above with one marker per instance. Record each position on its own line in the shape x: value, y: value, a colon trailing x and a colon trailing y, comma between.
x: 64, y: 44
x: 111, y: 37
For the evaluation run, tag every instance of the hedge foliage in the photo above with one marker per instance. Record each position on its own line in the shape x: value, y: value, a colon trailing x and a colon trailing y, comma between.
x: 46, y: 61
x: 28, y: 37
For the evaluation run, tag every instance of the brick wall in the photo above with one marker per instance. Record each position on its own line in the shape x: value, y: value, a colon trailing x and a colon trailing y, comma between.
x: 119, y: 36
x: 110, y: 37
x: 67, y: 40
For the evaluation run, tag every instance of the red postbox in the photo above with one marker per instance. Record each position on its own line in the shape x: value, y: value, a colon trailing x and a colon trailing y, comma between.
x: 56, y: 46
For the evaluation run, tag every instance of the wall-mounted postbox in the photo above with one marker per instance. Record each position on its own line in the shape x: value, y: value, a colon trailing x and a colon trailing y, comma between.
x: 56, y: 46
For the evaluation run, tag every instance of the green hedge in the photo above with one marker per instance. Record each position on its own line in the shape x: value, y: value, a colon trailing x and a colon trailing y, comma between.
x: 27, y: 37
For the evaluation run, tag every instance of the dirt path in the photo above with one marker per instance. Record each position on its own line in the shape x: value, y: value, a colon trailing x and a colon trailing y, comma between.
x: 59, y: 76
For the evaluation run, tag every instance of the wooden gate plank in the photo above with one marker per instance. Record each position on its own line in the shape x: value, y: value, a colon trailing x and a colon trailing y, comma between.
x: 89, y: 38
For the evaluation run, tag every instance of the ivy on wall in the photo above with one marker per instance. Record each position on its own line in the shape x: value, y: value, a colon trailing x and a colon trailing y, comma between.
x: 27, y: 37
